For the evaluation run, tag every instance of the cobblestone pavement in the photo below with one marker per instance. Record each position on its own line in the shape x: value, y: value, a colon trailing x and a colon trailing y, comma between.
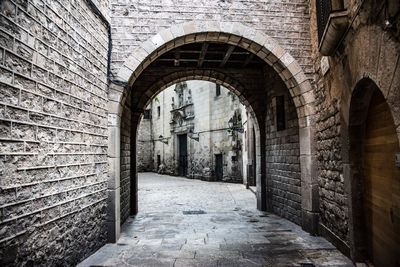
x: 186, y: 222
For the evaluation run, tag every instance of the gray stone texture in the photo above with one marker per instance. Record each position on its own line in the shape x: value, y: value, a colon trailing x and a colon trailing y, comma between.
x: 288, y: 22
x: 54, y: 168
x: 53, y: 132
x: 229, y: 231
x: 283, y: 157
x: 125, y: 162
x: 368, y: 52
x: 145, y: 147
x: 207, y: 115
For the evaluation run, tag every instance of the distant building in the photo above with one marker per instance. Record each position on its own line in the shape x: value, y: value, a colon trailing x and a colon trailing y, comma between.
x: 185, y: 131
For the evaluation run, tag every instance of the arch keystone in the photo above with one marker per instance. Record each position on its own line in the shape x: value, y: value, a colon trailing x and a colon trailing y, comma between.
x: 238, y: 29
x: 190, y: 27
x: 213, y: 26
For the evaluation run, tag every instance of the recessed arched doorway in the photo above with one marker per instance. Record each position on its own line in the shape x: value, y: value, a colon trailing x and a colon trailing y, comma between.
x: 375, y: 177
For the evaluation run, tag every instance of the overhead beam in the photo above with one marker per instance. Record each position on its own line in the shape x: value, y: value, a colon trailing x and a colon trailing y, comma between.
x: 177, y: 57
x: 248, y: 59
x: 196, y: 60
x: 202, y: 54
x: 227, y: 55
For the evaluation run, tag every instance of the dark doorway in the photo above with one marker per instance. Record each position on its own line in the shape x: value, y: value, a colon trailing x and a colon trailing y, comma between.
x: 218, y: 167
x: 182, y: 155
x: 158, y: 161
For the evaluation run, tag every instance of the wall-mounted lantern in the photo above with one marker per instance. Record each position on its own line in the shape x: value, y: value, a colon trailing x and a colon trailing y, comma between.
x: 235, y: 123
x: 163, y: 139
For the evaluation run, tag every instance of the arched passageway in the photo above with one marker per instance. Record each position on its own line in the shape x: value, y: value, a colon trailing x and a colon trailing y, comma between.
x: 260, y: 72
x: 374, y: 177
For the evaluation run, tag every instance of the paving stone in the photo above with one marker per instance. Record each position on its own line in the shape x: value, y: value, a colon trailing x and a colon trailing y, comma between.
x: 229, y: 234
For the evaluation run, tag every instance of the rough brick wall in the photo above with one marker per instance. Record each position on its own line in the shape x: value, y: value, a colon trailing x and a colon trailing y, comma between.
x: 125, y: 162
x: 53, y: 132
x: 367, y: 51
x: 286, y: 21
x: 145, y: 147
x: 333, y: 200
x: 282, y: 158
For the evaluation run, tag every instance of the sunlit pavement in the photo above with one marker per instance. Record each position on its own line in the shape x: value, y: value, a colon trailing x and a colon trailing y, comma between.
x: 185, y: 222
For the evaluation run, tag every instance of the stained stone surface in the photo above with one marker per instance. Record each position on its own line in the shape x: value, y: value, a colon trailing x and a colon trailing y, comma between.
x: 230, y: 232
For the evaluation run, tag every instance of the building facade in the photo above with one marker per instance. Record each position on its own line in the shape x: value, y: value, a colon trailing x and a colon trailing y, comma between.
x: 185, y: 131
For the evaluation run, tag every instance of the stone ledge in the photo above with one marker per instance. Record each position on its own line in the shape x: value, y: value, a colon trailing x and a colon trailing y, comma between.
x: 340, y: 244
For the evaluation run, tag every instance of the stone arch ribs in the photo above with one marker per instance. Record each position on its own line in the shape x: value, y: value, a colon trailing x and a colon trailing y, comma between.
x: 142, y: 93
x: 235, y: 34
x: 199, y: 74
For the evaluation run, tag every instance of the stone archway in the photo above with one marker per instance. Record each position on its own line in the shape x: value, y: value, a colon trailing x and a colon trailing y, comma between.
x: 132, y: 122
x: 235, y: 34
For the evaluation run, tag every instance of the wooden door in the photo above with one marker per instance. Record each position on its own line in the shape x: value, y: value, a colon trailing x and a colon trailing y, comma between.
x: 219, y: 167
x: 382, y: 185
x: 182, y: 154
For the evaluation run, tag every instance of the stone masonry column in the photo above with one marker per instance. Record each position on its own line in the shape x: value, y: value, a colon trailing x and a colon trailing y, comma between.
x: 114, y: 151
x: 261, y: 169
x: 309, y: 181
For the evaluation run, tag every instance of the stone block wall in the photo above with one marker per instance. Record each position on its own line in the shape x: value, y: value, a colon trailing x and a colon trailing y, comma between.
x: 282, y: 158
x: 285, y: 21
x: 145, y: 147
x: 333, y: 204
x: 333, y: 198
x: 53, y: 132
x: 367, y: 51
x: 125, y: 162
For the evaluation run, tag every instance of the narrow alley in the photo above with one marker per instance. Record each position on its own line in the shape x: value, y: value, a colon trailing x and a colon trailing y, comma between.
x: 185, y: 222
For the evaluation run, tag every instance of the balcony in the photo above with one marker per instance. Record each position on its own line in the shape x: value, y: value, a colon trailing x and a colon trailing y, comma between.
x: 332, y: 24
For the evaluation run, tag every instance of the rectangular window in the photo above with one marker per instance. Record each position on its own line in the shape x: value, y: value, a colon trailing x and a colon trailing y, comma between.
x: 147, y: 114
x: 218, y: 90
x: 159, y: 111
x: 280, y: 113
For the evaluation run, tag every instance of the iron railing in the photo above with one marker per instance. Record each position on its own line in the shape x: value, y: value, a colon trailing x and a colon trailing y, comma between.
x: 324, y: 8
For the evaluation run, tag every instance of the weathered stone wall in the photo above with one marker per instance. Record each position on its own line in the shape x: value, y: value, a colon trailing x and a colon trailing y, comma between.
x: 367, y: 51
x: 53, y: 132
x: 145, y: 146
x: 125, y: 162
x: 333, y: 200
x: 287, y: 22
x: 283, y: 157
x: 210, y: 122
